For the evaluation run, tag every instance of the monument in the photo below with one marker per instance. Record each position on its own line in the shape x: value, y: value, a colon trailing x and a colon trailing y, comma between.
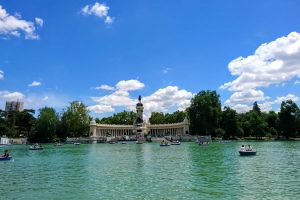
x: 138, y: 130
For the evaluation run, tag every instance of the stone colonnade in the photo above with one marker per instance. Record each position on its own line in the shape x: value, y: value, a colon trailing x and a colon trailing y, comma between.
x: 159, y: 132
x: 155, y: 130
x: 113, y: 132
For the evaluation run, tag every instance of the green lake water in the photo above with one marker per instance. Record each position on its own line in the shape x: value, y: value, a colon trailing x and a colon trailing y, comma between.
x: 148, y: 171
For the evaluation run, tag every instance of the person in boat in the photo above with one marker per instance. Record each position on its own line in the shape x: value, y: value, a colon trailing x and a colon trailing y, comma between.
x: 163, y: 142
x: 249, y: 148
x: 242, y: 148
x: 6, y: 154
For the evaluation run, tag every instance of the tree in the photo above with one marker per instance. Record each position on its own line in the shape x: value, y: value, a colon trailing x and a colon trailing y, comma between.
x: 25, y: 122
x: 46, y: 125
x: 168, y: 118
x: 288, y: 118
x: 17, y: 123
x: 175, y: 117
x: 76, y: 120
x: 243, y: 121
x: 4, y: 129
x: 204, y: 112
x: 256, y: 108
x: 124, y: 117
x: 157, y: 118
x: 257, y: 124
x: 272, y: 122
x: 229, y: 122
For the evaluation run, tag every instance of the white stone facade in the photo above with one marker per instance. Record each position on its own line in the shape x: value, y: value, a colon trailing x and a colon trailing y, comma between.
x: 154, y: 130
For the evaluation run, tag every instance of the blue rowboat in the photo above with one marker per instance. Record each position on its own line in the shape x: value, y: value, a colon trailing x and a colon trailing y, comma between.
x: 247, y: 153
x: 5, y: 158
x: 164, y: 145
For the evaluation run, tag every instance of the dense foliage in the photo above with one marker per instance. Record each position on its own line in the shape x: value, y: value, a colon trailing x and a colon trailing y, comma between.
x: 161, y: 118
x: 204, y: 112
x: 205, y: 115
x: 124, y: 117
x: 16, y: 124
x: 76, y: 120
x: 46, y: 126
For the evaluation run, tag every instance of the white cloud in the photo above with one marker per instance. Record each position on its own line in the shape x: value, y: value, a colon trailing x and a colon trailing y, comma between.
x: 165, y: 98
x: 108, y: 20
x: 104, y: 87
x: 162, y: 100
x: 117, y: 98
x: 264, y: 105
x: 272, y: 63
x: 34, y: 84
x: 246, y: 96
x: 11, y: 96
x: 14, y: 25
x: 101, y: 108
x: 39, y: 21
x: 129, y: 85
x: 99, y: 10
x: 285, y: 98
x: 1, y: 74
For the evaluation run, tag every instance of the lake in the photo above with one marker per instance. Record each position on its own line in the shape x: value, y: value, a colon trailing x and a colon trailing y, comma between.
x: 148, y: 171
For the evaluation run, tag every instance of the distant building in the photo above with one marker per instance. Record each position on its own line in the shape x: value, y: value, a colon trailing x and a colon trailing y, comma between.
x: 14, y: 106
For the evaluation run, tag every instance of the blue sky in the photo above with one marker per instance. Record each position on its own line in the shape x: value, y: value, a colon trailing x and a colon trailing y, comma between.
x: 54, y: 52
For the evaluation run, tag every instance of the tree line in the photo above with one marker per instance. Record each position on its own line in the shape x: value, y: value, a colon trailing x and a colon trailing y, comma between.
x: 207, y: 118
x: 49, y: 125
x: 205, y: 114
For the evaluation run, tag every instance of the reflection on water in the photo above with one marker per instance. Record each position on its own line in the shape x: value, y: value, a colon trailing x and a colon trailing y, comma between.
x: 148, y: 171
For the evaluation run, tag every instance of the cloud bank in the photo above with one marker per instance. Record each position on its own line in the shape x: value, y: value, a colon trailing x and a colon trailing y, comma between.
x: 99, y: 10
x: 15, y: 26
x: 162, y: 100
x: 271, y: 64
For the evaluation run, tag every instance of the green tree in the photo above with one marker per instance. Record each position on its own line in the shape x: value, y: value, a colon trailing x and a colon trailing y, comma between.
x: 161, y: 118
x: 4, y: 129
x: 257, y: 121
x: 256, y: 108
x: 273, y: 123
x: 257, y: 125
x: 46, y: 125
x: 125, y: 117
x: 243, y: 121
x: 76, y: 120
x: 288, y: 118
x: 175, y: 117
x: 204, y: 112
x: 157, y: 118
x: 229, y: 122
x: 25, y: 122
x: 17, y: 123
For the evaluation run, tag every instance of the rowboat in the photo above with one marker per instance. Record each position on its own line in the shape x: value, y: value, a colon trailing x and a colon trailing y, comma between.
x: 247, y: 153
x: 5, y: 158
x: 175, y: 143
x: 36, y: 147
